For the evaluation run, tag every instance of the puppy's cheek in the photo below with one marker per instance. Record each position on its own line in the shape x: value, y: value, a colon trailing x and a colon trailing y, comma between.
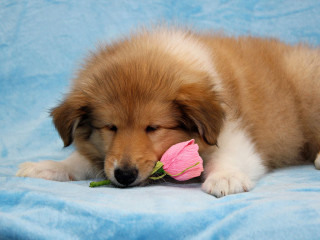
x: 163, y: 140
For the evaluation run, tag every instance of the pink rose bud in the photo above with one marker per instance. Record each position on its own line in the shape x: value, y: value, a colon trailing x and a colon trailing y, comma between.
x: 182, y: 161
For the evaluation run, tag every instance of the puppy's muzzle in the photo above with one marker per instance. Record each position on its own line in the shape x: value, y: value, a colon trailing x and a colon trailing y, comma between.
x: 126, y: 176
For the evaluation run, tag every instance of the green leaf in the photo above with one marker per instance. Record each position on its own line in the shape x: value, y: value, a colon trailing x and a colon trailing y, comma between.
x: 158, y: 177
x: 157, y: 167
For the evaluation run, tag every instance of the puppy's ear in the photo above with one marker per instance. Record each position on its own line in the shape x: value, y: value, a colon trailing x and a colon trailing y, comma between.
x: 201, y: 111
x: 67, y: 116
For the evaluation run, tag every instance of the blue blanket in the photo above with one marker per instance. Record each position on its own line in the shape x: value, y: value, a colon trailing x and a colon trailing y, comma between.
x: 43, y: 42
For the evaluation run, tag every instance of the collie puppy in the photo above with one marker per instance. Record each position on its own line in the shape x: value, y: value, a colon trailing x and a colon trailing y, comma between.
x: 251, y: 104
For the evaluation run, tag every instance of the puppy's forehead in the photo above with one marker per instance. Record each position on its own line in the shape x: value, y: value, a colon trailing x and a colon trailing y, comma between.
x: 134, y: 82
x: 130, y: 113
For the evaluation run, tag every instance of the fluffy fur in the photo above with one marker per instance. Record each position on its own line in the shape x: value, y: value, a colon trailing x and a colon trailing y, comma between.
x: 251, y: 104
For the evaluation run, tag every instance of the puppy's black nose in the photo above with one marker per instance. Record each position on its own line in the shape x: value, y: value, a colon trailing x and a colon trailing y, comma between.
x: 126, y: 176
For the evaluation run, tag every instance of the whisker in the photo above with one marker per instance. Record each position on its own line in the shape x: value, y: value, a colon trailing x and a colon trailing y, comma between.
x: 100, y: 174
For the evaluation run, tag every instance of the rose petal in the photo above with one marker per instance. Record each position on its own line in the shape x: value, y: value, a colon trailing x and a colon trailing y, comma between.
x: 180, y: 157
x: 170, y: 155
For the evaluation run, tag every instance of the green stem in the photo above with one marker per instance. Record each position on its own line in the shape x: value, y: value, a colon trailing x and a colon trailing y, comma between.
x: 100, y: 183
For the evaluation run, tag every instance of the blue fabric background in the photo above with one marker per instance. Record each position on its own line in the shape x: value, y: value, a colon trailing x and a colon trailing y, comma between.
x: 41, y: 45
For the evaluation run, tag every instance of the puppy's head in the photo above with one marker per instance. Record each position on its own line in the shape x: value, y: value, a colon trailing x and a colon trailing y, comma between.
x: 125, y: 114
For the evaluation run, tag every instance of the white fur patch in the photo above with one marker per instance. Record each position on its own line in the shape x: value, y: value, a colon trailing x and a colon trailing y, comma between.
x: 47, y: 169
x: 75, y: 167
x: 235, y: 165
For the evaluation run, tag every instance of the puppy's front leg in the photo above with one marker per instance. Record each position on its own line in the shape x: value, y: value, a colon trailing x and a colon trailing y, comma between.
x: 75, y: 167
x: 235, y: 165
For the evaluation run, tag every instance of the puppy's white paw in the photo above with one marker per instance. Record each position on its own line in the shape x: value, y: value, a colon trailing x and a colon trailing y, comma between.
x: 317, y: 162
x: 48, y: 169
x: 224, y: 183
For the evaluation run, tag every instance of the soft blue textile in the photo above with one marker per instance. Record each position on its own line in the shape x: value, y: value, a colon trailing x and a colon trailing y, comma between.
x: 43, y: 42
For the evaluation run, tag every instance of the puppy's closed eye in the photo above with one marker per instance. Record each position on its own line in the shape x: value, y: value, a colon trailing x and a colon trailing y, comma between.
x: 111, y: 127
x: 152, y: 128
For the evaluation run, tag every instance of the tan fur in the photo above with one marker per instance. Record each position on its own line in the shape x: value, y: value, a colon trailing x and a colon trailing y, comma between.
x: 272, y: 87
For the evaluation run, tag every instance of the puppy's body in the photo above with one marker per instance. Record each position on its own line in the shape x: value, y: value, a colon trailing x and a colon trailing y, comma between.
x: 251, y: 104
